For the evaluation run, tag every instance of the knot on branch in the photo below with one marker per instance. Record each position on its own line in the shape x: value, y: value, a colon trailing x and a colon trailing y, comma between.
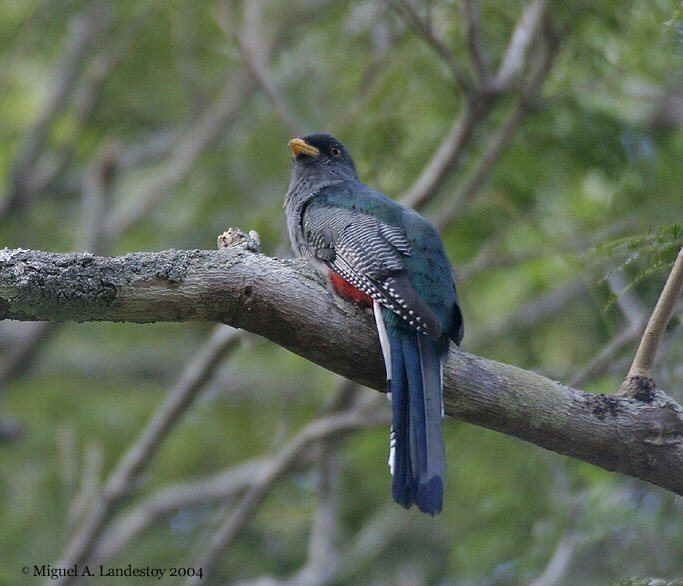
x: 235, y: 237
x: 641, y: 388
x: 604, y: 405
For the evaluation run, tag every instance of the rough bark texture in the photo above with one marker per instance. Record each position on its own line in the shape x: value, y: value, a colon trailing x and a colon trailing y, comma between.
x: 285, y: 302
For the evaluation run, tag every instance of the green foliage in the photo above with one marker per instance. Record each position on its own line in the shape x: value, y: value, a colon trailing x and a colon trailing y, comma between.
x: 656, y: 248
x: 647, y: 254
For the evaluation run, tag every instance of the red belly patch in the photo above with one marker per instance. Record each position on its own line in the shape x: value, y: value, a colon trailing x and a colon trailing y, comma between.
x: 348, y: 292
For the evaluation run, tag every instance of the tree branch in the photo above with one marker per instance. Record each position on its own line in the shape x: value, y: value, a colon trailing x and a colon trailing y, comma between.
x: 526, y: 31
x: 169, y: 499
x: 626, y: 300
x: 285, y: 302
x: 86, y: 29
x: 332, y: 425
x: 472, y: 28
x: 17, y: 357
x: 500, y: 140
x: 424, y: 28
x: 602, y: 361
x: 255, y: 50
x: 542, y: 307
x: 86, y: 97
x: 478, y: 104
x: 184, y: 154
x: 219, y: 487
x: 446, y: 157
x: 471, y: 185
x: 126, y: 474
x: 639, y: 378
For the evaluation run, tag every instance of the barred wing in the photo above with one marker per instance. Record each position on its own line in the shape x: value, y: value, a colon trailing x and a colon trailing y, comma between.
x: 369, y: 254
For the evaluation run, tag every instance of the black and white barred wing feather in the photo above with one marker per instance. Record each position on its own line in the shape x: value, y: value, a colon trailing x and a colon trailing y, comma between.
x: 370, y: 255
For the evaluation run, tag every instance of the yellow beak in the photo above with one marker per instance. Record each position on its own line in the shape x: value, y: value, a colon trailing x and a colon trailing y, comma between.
x: 301, y: 147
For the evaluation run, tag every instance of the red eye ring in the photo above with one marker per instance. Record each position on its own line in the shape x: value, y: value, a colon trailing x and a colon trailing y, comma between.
x: 335, y: 151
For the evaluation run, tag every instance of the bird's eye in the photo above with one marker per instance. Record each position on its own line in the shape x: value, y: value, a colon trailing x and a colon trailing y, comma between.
x: 335, y: 151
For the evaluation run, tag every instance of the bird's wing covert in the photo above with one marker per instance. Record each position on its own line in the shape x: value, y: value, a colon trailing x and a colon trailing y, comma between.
x: 369, y: 254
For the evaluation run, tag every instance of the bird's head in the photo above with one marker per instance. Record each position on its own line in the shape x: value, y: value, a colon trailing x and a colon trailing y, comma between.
x: 321, y: 156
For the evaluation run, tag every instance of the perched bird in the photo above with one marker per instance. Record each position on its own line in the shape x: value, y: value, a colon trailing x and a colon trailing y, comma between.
x: 380, y: 254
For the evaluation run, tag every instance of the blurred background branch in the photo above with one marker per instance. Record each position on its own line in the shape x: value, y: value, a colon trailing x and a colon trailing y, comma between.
x: 86, y: 30
x: 124, y: 478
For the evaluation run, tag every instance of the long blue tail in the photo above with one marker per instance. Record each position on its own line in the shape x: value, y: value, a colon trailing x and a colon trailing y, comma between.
x: 417, y: 445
